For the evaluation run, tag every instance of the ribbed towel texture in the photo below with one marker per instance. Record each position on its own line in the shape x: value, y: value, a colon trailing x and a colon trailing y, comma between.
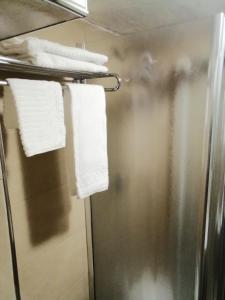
x: 86, y: 125
x: 40, y: 112
x: 53, y: 55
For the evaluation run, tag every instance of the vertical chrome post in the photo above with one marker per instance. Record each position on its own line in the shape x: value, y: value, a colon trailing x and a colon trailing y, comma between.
x: 88, y: 222
x: 9, y: 218
x: 212, y: 258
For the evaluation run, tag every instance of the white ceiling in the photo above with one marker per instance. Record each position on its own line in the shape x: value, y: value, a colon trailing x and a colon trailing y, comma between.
x: 129, y: 16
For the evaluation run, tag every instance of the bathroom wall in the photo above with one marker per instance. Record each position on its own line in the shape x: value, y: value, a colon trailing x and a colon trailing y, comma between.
x: 6, y: 275
x: 49, y: 223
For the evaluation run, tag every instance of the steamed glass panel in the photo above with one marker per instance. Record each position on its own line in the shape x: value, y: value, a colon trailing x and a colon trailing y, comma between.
x: 147, y: 229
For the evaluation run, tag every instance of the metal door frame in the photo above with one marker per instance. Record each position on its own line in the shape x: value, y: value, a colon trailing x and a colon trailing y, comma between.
x: 212, y: 273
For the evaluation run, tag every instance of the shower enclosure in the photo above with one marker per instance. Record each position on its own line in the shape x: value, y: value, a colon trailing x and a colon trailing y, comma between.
x: 158, y: 231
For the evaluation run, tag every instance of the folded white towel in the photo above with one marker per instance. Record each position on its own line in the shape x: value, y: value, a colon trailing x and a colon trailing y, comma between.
x: 40, y: 111
x: 58, y: 62
x: 26, y: 49
x: 87, y: 124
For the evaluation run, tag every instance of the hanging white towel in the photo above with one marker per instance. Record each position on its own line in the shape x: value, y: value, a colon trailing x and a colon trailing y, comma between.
x: 58, y: 62
x: 40, y: 112
x: 87, y: 124
x: 27, y: 48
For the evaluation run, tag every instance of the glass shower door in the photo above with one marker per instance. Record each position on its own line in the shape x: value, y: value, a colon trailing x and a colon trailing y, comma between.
x: 148, y: 228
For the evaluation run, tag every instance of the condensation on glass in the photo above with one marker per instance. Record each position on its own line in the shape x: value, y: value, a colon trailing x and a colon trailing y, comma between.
x: 148, y: 228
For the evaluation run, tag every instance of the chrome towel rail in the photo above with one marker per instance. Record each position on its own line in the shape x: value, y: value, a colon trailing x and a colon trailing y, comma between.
x: 10, y: 65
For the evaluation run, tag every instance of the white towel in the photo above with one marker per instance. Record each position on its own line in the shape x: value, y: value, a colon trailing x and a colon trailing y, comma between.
x: 58, y: 62
x: 26, y: 49
x: 40, y: 111
x: 87, y: 125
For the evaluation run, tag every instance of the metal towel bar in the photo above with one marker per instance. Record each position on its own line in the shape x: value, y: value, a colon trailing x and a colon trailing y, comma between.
x: 12, y: 66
